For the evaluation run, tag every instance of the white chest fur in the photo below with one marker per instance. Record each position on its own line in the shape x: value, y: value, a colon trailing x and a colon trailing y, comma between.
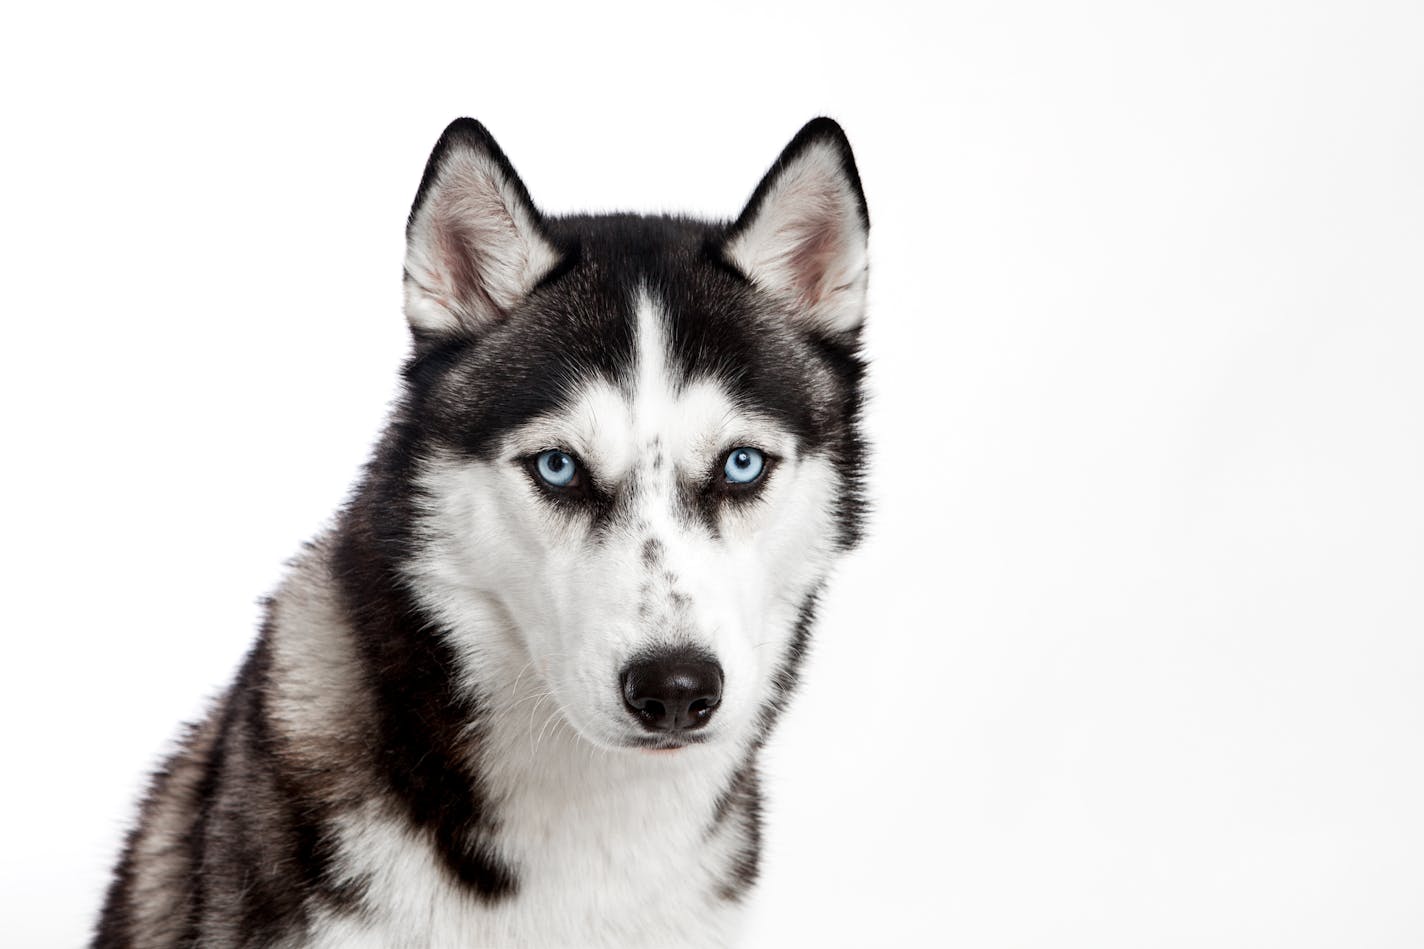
x: 610, y: 848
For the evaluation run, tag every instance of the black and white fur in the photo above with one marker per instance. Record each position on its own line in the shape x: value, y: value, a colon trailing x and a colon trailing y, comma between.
x: 428, y: 746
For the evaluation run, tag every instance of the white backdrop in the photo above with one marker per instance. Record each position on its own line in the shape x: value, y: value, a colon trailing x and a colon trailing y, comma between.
x: 1134, y: 655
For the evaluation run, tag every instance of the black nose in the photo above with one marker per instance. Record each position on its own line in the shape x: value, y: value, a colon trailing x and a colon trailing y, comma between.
x: 672, y: 691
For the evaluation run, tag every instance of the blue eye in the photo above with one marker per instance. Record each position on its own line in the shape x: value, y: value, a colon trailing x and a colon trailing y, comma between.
x: 744, y: 465
x: 557, y: 468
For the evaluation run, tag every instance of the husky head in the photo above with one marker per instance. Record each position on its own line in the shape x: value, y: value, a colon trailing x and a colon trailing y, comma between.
x: 632, y: 441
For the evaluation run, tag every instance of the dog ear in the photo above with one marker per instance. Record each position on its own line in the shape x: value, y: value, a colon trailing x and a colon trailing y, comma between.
x: 475, y: 243
x: 802, y: 236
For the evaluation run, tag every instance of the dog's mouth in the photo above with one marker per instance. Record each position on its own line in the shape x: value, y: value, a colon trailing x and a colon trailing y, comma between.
x: 663, y: 744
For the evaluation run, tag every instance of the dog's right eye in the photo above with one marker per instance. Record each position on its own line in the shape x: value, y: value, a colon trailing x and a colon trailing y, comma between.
x: 557, y: 469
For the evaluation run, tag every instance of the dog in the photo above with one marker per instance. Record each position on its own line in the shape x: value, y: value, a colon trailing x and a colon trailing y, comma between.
x: 516, y: 693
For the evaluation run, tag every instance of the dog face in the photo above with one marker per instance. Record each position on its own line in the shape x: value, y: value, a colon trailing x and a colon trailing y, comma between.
x: 638, y: 454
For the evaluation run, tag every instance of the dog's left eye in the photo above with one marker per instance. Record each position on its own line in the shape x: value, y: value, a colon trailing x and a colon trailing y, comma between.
x: 556, y: 468
x: 744, y: 465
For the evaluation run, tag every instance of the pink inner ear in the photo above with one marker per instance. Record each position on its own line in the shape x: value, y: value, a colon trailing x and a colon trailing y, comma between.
x: 812, y: 257
x: 815, y: 236
x: 458, y: 245
x: 477, y: 240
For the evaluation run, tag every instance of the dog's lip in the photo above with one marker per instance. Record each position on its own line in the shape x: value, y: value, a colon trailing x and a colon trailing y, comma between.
x: 644, y: 743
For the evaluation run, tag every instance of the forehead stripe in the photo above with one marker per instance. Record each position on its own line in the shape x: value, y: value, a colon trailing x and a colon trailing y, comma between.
x: 652, y: 385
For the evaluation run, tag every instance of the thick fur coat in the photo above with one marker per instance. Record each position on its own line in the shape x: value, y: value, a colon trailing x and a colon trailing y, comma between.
x: 625, y: 443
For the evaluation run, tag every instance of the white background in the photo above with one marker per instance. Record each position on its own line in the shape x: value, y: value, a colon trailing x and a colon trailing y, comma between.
x: 1134, y: 656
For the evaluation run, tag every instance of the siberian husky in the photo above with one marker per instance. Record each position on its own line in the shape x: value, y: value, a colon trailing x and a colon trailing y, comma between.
x: 516, y: 694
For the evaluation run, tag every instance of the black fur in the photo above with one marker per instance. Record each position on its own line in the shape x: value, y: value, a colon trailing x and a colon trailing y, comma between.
x: 741, y: 801
x: 420, y: 716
